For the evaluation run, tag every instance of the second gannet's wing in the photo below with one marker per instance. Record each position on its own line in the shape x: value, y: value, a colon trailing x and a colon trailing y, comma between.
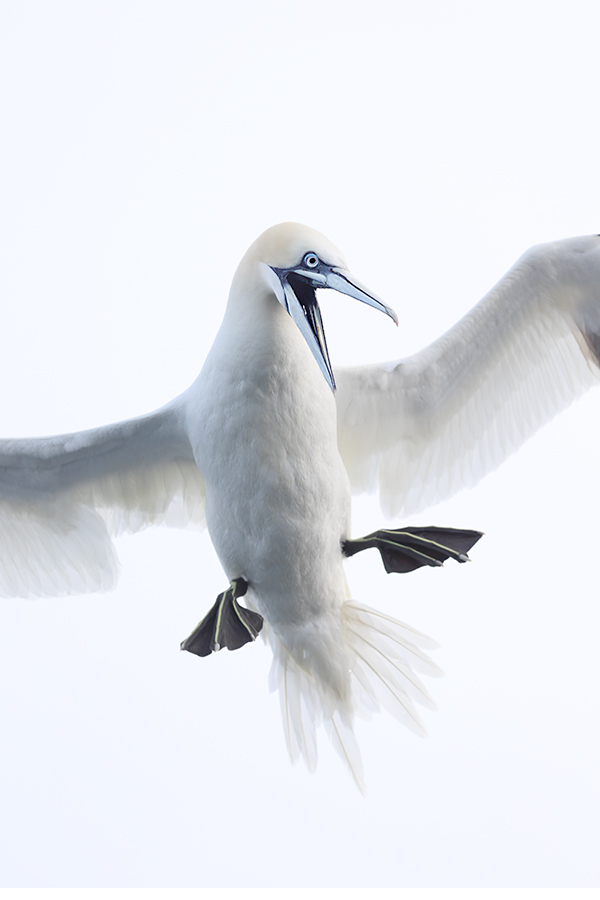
x: 61, y: 498
x: 422, y: 428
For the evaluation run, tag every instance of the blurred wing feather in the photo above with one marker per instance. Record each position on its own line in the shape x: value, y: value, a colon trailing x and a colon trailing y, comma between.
x: 420, y: 429
x: 62, y: 497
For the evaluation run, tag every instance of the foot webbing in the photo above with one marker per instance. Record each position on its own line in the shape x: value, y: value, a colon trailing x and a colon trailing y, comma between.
x: 406, y: 549
x: 226, y: 625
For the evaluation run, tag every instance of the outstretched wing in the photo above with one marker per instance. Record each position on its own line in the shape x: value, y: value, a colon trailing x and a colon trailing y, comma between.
x: 422, y: 428
x: 62, y: 497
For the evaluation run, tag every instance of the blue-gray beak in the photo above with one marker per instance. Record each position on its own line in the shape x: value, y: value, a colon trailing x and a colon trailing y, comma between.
x: 300, y: 300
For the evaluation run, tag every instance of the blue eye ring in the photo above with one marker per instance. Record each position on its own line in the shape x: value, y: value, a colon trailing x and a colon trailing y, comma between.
x: 311, y: 260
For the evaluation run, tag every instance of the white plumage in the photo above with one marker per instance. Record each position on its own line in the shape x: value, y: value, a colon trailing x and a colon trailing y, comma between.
x: 262, y: 445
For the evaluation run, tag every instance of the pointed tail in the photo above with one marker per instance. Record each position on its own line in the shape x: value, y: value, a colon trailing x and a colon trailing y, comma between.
x: 383, y: 656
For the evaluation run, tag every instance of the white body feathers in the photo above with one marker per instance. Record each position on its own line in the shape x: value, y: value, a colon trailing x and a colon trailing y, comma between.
x: 256, y: 438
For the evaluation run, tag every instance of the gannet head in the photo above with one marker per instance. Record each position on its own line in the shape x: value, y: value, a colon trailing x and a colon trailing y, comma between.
x: 293, y: 261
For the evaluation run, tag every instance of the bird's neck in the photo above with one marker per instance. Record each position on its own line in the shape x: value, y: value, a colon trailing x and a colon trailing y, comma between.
x: 258, y: 339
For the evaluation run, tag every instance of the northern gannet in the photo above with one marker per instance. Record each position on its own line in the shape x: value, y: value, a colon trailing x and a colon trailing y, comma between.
x: 270, y: 440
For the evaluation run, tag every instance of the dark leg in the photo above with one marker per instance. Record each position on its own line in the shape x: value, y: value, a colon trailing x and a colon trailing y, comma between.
x: 406, y: 549
x: 227, y: 624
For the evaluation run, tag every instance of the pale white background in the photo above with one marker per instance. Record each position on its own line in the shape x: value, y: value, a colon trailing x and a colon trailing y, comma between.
x: 144, y: 146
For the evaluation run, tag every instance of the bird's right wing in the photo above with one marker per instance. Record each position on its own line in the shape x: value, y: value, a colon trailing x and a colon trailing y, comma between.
x: 61, y: 498
x: 422, y: 428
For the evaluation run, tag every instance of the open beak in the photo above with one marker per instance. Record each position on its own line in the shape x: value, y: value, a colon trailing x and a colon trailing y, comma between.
x: 300, y: 300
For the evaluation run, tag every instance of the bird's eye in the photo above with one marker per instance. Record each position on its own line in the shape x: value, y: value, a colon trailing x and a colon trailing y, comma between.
x: 311, y: 260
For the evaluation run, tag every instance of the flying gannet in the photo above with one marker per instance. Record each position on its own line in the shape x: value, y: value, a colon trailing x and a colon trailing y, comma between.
x: 268, y: 443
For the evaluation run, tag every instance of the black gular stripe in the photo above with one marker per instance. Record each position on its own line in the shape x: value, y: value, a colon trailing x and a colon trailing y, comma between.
x: 307, y: 298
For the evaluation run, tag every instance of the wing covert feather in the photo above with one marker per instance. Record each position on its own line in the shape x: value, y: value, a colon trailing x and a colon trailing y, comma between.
x: 62, y: 497
x: 422, y: 428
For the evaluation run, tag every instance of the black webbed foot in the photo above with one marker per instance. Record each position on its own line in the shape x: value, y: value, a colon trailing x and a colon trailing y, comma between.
x: 226, y: 625
x: 406, y: 549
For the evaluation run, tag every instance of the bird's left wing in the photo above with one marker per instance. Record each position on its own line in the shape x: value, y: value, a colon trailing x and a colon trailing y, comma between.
x: 61, y: 498
x: 422, y: 428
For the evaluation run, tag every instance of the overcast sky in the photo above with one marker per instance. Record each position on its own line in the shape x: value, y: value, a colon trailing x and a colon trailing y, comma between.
x: 144, y: 146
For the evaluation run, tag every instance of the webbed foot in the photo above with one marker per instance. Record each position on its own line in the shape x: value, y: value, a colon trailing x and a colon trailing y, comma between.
x: 406, y: 549
x: 226, y: 625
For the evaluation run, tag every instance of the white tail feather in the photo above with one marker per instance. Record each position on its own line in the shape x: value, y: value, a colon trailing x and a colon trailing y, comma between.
x: 343, y: 740
x: 300, y: 709
x: 381, y: 654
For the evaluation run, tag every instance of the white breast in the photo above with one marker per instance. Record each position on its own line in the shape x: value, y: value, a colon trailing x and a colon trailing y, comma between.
x: 277, y: 493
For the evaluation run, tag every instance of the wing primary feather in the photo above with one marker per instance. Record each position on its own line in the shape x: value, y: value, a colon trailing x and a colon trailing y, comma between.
x: 422, y: 428
x: 60, y: 497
